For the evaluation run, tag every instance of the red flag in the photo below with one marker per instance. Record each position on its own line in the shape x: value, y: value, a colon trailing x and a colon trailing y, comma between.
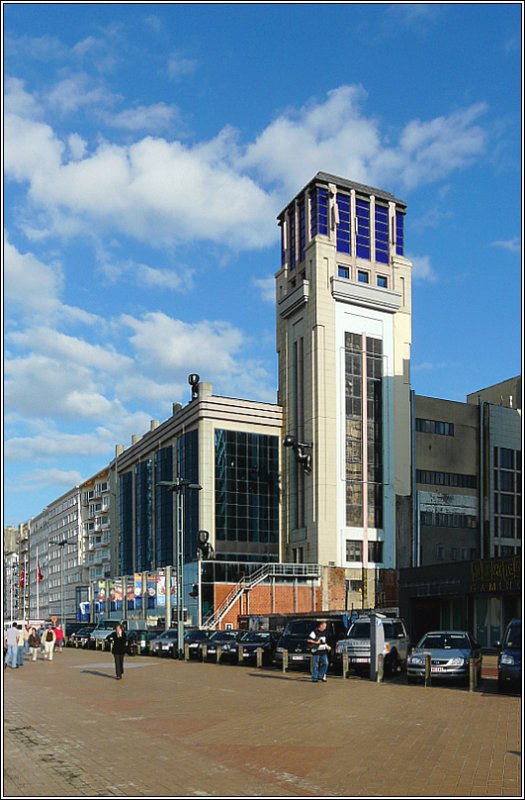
x: 39, y: 572
x: 22, y: 579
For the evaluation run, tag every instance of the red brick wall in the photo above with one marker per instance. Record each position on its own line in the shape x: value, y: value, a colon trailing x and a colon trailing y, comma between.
x: 268, y: 599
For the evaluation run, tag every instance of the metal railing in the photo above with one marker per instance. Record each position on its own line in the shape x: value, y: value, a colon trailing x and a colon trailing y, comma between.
x: 270, y: 570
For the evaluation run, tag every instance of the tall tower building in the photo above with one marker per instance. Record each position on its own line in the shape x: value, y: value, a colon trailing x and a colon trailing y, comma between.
x: 343, y: 341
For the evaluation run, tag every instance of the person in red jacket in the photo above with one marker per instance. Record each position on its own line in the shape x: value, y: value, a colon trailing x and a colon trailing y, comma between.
x: 59, y: 638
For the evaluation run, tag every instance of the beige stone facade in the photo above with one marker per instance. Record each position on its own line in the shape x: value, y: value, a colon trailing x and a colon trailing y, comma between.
x: 324, y: 294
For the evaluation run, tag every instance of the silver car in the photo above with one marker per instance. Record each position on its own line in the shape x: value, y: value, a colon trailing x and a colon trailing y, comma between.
x: 165, y: 643
x: 450, y: 653
x: 356, y: 645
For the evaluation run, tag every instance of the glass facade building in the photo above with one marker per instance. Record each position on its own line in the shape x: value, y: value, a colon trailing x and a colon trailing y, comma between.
x: 246, y: 496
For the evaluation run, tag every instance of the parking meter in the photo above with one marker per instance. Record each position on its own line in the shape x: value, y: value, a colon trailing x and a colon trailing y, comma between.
x: 377, y: 642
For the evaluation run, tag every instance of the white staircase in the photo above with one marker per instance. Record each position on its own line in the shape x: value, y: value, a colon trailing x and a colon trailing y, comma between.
x: 270, y: 570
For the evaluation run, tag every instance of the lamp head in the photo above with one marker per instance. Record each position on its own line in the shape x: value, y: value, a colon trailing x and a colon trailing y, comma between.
x: 289, y: 441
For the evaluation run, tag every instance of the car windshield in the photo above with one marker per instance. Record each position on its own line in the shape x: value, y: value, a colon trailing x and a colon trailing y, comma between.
x: 300, y: 628
x: 168, y: 635
x: 361, y: 630
x: 223, y: 636
x: 196, y: 636
x: 513, y: 636
x: 445, y: 641
x: 255, y: 636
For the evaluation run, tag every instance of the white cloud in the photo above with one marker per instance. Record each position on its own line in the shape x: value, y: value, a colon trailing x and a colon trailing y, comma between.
x: 512, y: 245
x: 206, y: 191
x: 38, y: 385
x: 41, y: 478
x: 71, y: 94
x: 71, y: 349
x: 29, y: 284
x: 266, y: 287
x: 422, y: 269
x: 178, y: 66
x: 157, y: 117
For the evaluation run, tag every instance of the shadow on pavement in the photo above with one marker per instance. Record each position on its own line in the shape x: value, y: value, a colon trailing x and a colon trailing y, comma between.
x: 280, y: 677
x: 98, y: 674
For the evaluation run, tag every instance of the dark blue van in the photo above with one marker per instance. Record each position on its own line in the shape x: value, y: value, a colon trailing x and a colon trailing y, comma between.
x: 509, y: 658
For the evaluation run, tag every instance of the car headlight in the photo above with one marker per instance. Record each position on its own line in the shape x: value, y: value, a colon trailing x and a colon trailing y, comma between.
x: 280, y: 650
x: 338, y: 648
x: 507, y: 659
x: 417, y: 661
x: 456, y: 662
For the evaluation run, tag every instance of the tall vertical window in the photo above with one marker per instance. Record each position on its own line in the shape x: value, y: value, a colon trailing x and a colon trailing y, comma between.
x: 143, y: 515
x: 362, y: 208
x: 163, y: 509
x: 355, y: 469
x: 283, y: 240
x: 400, y: 235
x: 343, y: 226
x: 381, y: 234
x: 125, y: 498
x: 302, y: 229
x: 319, y: 211
x: 293, y: 243
x: 188, y: 469
x: 374, y: 379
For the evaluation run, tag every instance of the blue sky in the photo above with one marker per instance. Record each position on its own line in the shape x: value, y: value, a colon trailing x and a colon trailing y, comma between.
x: 147, y: 151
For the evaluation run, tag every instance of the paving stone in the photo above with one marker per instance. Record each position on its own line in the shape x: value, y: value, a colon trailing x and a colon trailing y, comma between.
x: 171, y: 729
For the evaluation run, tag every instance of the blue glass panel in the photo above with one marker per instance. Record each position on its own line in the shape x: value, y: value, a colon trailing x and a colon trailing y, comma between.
x: 382, y: 256
x: 382, y: 281
x: 362, y: 251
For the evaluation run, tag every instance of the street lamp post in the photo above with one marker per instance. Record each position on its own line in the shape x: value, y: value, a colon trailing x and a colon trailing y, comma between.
x: 178, y: 488
x: 62, y: 543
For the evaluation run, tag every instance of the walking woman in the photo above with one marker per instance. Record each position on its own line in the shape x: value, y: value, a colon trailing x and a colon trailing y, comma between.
x: 119, y: 649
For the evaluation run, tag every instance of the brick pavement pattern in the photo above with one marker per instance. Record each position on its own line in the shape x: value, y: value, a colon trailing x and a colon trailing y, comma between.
x: 171, y: 729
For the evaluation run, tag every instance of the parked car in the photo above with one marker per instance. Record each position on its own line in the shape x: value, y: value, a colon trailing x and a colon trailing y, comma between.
x: 163, y: 644
x: 138, y: 641
x: 509, y: 658
x: 357, y: 645
x: 294, y: 639
x: 82, y: 636
x: 450, y: 653
x: 224, y: 639
x: 76, y: 631
x: 250, y: 641
x: 101, y: 632
x: 194, y: 638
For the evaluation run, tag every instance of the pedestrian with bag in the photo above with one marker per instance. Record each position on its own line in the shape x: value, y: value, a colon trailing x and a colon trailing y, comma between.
x: 119, y: 640
x: 49, y: 643
x: 320, y: 650
x: 34, y: 643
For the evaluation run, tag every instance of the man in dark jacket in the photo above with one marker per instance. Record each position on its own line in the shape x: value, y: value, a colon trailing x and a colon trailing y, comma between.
x: 118, y: 640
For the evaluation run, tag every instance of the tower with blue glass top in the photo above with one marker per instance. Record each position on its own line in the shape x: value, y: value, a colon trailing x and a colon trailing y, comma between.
x: 343, y: 341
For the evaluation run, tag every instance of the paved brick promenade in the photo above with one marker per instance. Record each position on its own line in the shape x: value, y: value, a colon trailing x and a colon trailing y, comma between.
x: 172, y: 729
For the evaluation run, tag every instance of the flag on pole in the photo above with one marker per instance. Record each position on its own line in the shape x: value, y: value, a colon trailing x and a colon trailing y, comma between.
x: 39, y: 572
x: 22, y: 579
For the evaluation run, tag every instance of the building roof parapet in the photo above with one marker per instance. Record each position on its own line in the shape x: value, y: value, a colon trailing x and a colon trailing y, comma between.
x: 344, y: 183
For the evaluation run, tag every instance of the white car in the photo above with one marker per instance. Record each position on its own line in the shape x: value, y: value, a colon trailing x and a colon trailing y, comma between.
x: 164, y: 644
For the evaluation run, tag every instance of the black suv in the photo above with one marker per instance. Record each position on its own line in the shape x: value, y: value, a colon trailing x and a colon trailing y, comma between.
x: 295, y: 636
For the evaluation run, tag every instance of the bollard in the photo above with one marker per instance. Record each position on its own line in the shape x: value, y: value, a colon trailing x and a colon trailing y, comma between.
x: 285, y: 660
x: 218, y: 654
x: 428, y: 674
x: 186, y: 651
x: 380, y: 668
x: 204, y: 653
x: 345, y: 665
x: 259, y: 653
x: 473, y: 675
x: 241, y: 654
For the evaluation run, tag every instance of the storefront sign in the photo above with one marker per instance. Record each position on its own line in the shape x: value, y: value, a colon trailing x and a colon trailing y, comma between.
x: 495, y: 575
